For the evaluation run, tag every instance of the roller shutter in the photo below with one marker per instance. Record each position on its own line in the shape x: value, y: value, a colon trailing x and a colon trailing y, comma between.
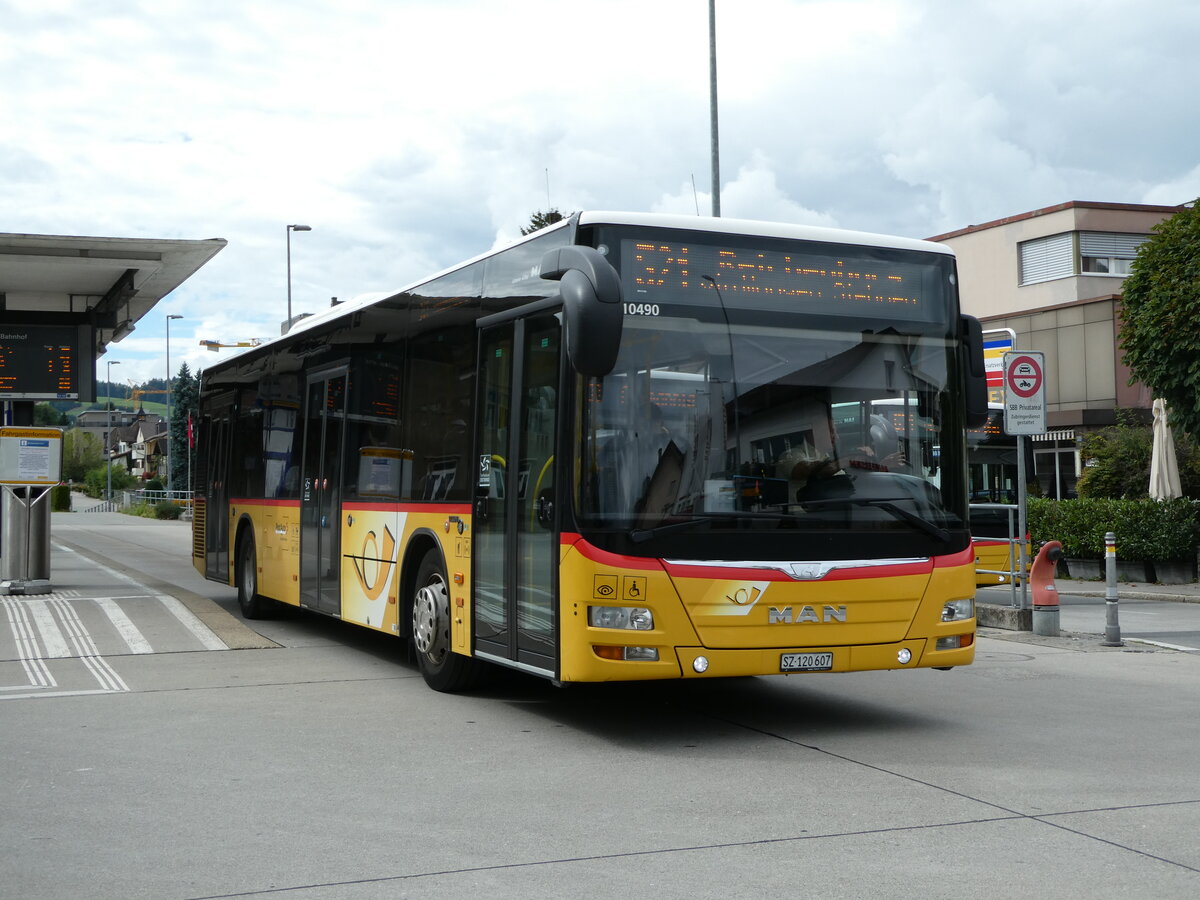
x: 1045, y: 259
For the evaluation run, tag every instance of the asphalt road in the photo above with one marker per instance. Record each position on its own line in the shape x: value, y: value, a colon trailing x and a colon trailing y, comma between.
x: 309, y: 760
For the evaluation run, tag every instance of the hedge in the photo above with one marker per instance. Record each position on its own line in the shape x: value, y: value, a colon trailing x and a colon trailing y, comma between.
x: 1145, y: 529
x: 60, y: 498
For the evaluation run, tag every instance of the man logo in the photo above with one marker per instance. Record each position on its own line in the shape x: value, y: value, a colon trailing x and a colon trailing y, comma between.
x: 777, y: 616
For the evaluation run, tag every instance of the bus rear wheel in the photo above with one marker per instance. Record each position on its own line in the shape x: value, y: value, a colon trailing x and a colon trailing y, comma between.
x: 253, y: 605
x: 442, y: 669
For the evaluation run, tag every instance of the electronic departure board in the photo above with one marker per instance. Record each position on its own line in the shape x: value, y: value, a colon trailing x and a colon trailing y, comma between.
x: 856, y: 281
x: 47, y: 362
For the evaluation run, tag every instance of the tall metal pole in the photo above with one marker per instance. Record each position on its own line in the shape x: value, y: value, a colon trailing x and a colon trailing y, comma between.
x: 170, y: 479
x: 108, y: 434
x: 712, y: 107
x: 288, y: 320
x: 292, y: 228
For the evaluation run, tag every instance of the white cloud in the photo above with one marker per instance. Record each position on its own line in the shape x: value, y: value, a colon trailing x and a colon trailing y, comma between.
x: 1184, y: 189
x: 753, y: 194
x: 415, y: 133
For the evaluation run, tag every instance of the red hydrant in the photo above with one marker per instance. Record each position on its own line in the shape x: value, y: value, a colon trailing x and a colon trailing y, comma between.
x: 1045, y: 593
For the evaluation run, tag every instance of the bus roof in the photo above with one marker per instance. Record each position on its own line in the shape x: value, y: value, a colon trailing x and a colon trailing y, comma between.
x: 747, y: 227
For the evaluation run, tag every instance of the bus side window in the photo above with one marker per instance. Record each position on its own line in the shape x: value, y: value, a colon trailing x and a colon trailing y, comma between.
x: 440, y: 397
x: 375, y: 460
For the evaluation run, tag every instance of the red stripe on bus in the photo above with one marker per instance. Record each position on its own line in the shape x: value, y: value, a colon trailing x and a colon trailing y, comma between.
x: 752, y: 572
x: 617, y: 560
x: 454, y: 509
x: 965, y: 557
x: 922, y: 567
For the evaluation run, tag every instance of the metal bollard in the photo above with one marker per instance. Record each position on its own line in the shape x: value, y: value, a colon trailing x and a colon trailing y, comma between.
x: 1112, y: 628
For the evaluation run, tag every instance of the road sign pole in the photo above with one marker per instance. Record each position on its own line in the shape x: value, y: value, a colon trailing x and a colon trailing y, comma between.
x: 1024, y: 416
x: 1022, y: 521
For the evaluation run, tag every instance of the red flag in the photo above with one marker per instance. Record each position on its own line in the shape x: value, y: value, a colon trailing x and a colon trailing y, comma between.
x: 191, y: 432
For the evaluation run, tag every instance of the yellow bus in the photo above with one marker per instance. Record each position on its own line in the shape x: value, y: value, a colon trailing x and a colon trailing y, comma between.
x: 618, y: 449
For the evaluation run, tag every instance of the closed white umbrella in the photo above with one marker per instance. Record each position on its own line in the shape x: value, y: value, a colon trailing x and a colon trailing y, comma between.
x: 1164, y: 470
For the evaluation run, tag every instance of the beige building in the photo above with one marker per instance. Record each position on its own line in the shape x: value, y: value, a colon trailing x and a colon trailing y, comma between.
x: 1054, y: 277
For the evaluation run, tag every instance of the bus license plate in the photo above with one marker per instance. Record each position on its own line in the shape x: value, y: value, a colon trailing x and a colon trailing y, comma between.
x: 806, y: 662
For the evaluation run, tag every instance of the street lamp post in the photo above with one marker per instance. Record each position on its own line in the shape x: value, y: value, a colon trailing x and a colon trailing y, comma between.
x: 108, y: 434
x: 170, y: 480
x: 290, y: 229
x: 712, y: 108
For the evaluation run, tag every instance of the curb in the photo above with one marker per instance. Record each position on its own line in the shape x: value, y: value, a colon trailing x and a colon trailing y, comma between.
x: 993, y: 615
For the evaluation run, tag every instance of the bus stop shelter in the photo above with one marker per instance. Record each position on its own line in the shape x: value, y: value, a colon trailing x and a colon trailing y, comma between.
x: 63, y: 300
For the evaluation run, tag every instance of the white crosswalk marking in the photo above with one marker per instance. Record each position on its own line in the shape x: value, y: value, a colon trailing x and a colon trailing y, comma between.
x: 53, y: 642
x: 202, y: 632
x: 60, y: 628
x: 105, y: 674
x: 35, y: 668
x: 129, y: 632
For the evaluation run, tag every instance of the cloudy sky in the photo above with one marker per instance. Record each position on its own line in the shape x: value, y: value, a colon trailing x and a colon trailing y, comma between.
x: 413, y: 134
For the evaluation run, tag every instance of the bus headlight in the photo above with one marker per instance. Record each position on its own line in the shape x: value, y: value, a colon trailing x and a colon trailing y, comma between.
x: 957, y: 610
x: 630, y: 618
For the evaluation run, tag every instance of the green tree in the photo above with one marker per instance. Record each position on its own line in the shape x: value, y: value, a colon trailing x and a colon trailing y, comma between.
x: 96, y: 480
x: 1160, y: 329
x: 541, y: 219
x: 1117, y: 461
x: 185, y: 402
x: 82, y: 452
x: 45, y: 414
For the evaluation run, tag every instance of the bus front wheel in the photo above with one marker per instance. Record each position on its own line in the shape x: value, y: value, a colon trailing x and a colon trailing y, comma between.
x: 442, y: 669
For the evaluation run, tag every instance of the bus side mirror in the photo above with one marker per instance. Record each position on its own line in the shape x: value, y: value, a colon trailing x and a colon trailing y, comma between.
x: 591, y: 295
x: 974, y: 373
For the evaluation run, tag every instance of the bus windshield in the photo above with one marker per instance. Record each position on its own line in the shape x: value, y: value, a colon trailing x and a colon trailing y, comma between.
x: 742, y: 421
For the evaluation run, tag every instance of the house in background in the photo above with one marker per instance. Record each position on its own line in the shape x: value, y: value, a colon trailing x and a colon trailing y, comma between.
x: 135, y: 440
x: 1054, y: 277
x: 141, y: 445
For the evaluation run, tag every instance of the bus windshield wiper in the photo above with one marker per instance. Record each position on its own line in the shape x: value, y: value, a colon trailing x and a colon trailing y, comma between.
x: 888, y: 506
x: 640, y: 535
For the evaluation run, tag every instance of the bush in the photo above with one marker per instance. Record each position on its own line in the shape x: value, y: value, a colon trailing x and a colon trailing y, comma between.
x: 167, y: 510
x: 155, y: 484
x: 1145, y: 529
x: 96, y: 481
x: 60, y: 498
x: 142, y: 509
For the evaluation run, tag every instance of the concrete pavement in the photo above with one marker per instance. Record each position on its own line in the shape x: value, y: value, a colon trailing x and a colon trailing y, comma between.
x: 323, y: 767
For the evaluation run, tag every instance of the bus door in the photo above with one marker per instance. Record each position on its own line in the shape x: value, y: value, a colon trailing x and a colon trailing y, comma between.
x: 515, y: 542
x: 214, y: 469
x: 320, y: 494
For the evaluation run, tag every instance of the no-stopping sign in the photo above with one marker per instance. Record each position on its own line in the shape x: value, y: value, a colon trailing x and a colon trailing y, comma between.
x: 1024, y: 393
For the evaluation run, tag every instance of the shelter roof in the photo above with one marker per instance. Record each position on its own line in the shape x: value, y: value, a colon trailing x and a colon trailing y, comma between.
x: 108, y: 282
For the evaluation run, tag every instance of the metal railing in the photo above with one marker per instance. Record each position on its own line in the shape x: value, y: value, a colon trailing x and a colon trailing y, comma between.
x: 1018, y: 553
x: 124, y: 499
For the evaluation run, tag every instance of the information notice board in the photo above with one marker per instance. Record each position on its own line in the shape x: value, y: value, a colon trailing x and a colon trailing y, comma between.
x: 30, y: 456
x: 47, y: 362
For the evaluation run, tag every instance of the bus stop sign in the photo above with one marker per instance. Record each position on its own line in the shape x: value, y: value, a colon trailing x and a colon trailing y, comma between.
x: 1024, y: 393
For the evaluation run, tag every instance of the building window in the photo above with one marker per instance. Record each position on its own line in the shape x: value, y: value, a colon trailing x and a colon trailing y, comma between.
x: 1103, y: 253
x: 1099, y: 253
x: 1045, y: 259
